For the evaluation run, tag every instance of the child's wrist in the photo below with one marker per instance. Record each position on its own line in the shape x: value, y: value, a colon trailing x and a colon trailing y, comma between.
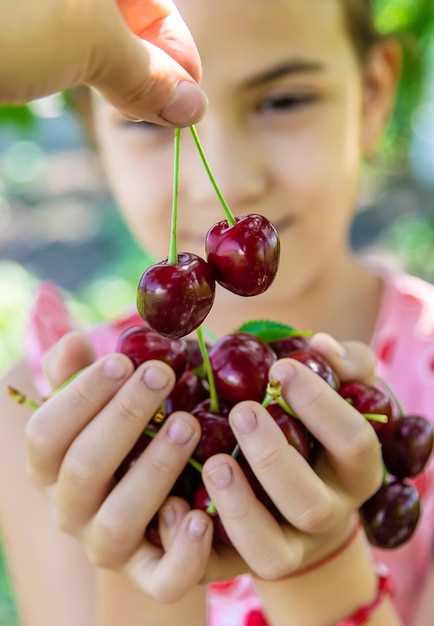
x: 345, y: 581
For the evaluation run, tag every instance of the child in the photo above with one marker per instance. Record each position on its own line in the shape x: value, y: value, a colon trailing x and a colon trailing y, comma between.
x: 299, y: 94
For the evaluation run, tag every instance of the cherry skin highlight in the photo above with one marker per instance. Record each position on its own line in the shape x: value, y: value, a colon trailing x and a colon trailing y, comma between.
x: 317, y: 363
x: 407, y: 444
x: 217, y: 436
x: 241, y: 363
x: 188, y: 392
x: 284, y: 347
x: 142, y: 344
x: 244, y: 257
x: 368, y: 399
x: 175, y: 299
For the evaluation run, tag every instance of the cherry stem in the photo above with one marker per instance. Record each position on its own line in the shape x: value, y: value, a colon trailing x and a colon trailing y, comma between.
x: 21, y: 398
x: 227, y: 211
x: 376, y: 417
x: 214, y: 405
x: 173, y: 252
x: 274, y: 394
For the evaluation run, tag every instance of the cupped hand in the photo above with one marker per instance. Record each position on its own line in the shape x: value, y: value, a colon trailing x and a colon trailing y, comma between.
x: 139, y: 54
x: 77, y: 440
x: 319, y: 504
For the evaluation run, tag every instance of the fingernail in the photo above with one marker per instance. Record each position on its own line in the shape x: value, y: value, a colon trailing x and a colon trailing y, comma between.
x: 187, y: 105
x: 155, y: 378
x: 169, y: 516
x: 283, y: 372
x: 180, y: 432
x: 197, y: 527
x: 244, y: 420
x: 326, y: 343
x: 115, y: 367
x: 221, y: 476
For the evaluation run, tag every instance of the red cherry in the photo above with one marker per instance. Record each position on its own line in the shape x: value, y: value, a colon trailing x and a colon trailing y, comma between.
x: 244, y: 257
x: 294, y: 430
x: 194, y: 356
x: 241, y: 363
x: 284, y: 347
x: 141, y: 344
x: 392, y: 514
x: 258, y: 489
x: 407, y: 444
x: 317, y: 363
x: 175, y: 299
x: 217, y: 436
x: 188, y: 392
x: 202, y: 502
x: 368, y: 399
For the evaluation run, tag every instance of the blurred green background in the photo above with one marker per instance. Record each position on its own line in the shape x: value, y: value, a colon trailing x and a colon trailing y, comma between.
x: 58, y: 221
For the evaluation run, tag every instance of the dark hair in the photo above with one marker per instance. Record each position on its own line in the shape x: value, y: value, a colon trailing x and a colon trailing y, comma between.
x: 360, y: 19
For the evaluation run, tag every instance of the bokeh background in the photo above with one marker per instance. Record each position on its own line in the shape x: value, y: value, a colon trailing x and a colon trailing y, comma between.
x: 59, y: 223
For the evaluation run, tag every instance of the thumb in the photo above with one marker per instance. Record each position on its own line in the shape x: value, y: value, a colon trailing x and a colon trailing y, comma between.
x: 141, y: 79
x: 67, y: 357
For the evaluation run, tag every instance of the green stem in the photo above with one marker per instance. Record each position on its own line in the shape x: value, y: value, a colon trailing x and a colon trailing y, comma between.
x: 274, y: 394
x: 173, y: 252
x: 192, y: 462
x: 376, y: 417
x: 228, y: 213
x: 214, y: 408
x: 21, y: 398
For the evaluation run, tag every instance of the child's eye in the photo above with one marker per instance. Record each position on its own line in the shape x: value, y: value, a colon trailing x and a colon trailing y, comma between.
x: 285, y: 102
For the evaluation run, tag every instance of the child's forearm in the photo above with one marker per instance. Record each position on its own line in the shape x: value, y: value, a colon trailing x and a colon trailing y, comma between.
x: 328, y: 594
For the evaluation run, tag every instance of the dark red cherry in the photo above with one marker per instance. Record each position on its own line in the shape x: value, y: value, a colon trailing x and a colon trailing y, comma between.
x: 257, y: 488
x: 187, y: 483
x: 217, y: 436
x: 202, y: 502
x: 294, y: 430
x: 244, y: 257
x: 175, y: 299
x: 188, y: 392
x: 152, y: 533
x: 391, y: 516
x: 141, y: 344
x: 407, y: 445
x: 241, y: 363
x: 194, y: 356
x: 284, y: 347
x: 317, y: 363
x: 368, y: 399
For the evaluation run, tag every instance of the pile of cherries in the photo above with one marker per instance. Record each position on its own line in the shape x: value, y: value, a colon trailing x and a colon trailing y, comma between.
x: 240, y: 364
x: 175, y: 296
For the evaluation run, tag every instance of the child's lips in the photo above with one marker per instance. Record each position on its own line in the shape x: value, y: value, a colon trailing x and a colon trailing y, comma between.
x: 281, y: 224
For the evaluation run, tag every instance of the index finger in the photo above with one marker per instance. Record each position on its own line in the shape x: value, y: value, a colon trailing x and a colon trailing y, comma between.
x: 159, y: 22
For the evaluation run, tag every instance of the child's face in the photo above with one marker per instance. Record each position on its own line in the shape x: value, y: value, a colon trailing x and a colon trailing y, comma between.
x: 283, y: 133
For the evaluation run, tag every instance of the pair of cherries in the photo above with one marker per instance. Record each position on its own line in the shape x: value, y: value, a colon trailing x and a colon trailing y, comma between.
x: 240, y: 365
x: 175, y: 296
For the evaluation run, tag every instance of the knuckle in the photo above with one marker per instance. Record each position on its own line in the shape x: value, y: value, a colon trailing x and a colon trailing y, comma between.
x: 318, y: 519
x: 129, y: 409
x: 111, y: 530
x: 78, y: 395
x: 267, y: 460
x: 363, y: 446
x: 311, y: 392
x: 162, y: 466
x: 273, y: 569
x: 77, y: 472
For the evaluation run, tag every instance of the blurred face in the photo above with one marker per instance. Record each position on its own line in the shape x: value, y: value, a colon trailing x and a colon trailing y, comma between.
x: 283, y: 135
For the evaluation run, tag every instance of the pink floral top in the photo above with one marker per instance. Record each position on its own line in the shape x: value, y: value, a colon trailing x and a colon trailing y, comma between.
x: 404, y: 344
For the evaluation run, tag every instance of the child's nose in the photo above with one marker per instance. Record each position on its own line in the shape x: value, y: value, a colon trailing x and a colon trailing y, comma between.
x: 240, y: 173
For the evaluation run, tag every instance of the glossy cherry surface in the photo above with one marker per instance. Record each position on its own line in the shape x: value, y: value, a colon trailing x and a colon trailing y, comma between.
x: 391, y: 516
x: 217, y: 436
x: 367, y: 399
x: 141, y: 344
x: 284, y: 347
x: 244, y: 257
x: 175, y: 299
x: 317, y: 363
x: 241, y: 363
x: 407, y: 444
x: 194, y: 356
x: 294, y: 430
x: 188, y: 392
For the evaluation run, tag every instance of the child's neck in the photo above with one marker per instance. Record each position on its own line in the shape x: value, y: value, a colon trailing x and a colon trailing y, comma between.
x: 343, y: 301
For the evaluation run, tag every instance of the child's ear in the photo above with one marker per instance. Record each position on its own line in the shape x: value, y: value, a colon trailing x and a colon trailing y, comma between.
x: 81, y: 100
x: 381, y: 73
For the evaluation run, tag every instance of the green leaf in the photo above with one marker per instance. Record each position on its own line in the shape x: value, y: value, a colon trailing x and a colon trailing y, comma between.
x: 271, y: 331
